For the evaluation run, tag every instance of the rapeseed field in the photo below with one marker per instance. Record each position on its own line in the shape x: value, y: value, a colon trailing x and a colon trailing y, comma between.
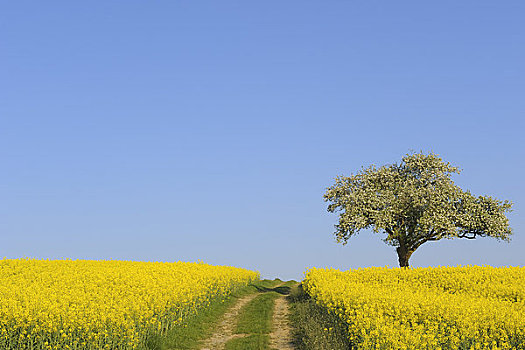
x: 467, y: 307
x: 83, y: 304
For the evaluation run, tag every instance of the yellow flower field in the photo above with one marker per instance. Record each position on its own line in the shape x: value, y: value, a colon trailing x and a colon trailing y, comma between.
x: 83, y: 304
x: 467, y: 307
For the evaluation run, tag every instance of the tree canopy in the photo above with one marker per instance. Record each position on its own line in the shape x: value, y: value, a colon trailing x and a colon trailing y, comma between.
x: 414, y: 202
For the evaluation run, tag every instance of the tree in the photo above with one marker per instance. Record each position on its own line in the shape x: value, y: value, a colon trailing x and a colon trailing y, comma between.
x: 414, y: 202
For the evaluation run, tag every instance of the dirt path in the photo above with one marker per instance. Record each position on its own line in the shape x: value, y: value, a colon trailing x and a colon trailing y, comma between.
x: 281, y: 336
x: 225, y: 328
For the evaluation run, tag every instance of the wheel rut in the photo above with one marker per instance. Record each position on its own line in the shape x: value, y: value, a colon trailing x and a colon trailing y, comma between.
x: 281, y: 336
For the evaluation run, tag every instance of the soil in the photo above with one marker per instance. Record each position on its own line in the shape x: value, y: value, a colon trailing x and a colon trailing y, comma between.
x: 281, y: 336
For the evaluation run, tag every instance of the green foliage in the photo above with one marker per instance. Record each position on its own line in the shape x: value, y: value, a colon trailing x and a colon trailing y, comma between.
x: 251, y: 342
x: 315, y: 327
x: 414, y: 202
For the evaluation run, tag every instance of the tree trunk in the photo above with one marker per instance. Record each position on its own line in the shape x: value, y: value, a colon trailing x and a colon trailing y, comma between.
x: 403, y: 255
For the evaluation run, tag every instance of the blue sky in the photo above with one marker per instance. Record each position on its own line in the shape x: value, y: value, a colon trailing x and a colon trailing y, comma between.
x: 184, y: 130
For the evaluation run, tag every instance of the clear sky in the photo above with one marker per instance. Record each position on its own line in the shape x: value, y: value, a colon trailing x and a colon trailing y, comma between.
x: 209, y: 130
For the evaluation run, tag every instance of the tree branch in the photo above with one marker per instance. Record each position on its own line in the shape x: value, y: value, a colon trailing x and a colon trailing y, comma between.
x: 432, y: 236
x: 465, y: 235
